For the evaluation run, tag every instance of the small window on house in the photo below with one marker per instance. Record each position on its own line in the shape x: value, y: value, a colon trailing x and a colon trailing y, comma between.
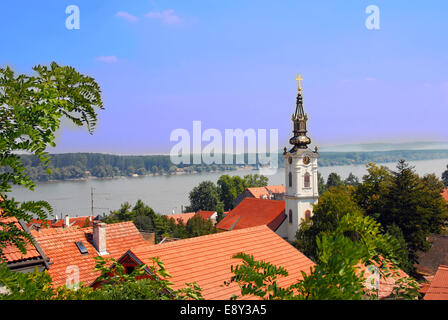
x: 81, y: 247
x: 307, y: 215
x: 290, y: 179
x: 290, y: 216
x: 129, y: 269
x: 307, y: 182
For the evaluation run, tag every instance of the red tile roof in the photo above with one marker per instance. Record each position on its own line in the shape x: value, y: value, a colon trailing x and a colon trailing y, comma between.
x: 207, y: 259
x: 206, y: 214
x: 47, y: 223
x: 59, y: 246
x: 75, y: 222
x: 11, y: 252
x: 188, y: 215
x: 445, y: 194
x: 438, y: 289
x: 265, y: 192
x: 254, y: 212
x: 184, y: 217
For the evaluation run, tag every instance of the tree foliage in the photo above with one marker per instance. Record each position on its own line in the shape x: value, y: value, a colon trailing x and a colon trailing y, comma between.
x: 115, y: 284
x: 332, y: 206
x: 403, y: 199
x: 31, y: 109
x: 356, y: 241
x: 334, y: 180
x: 205, y: 196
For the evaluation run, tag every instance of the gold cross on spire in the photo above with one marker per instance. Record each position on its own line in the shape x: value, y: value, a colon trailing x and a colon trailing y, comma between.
x: 299, y: 79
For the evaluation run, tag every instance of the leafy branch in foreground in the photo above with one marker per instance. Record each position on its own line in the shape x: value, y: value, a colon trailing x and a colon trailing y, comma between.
x: 31, y: 109
x: 113, y: 284
x: 342, y: 257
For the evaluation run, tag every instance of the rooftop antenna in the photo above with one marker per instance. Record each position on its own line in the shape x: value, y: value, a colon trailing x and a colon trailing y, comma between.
x: 91, y: 201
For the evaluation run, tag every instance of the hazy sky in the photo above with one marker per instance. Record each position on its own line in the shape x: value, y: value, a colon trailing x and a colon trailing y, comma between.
x: 232, y: 64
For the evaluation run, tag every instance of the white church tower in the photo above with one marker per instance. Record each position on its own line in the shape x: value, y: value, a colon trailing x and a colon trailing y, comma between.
x: 300, y: 172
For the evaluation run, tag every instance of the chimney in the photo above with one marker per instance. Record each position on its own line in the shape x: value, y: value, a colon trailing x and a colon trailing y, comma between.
x: 67, y: 221
x: 99, y: 237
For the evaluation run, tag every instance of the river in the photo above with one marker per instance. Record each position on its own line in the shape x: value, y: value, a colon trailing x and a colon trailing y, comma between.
x: 164, y: 194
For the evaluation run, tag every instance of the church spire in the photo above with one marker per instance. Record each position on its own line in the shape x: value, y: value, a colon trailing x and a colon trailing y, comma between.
x: 300, y: 140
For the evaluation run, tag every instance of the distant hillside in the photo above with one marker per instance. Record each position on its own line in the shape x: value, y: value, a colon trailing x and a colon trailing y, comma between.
x: 82, y: 165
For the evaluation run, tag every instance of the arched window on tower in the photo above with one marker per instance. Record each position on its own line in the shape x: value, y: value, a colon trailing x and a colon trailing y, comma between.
x: 307, y: 215
x: 290, y: 179
x: 290, y: 216
x: 307, y: 180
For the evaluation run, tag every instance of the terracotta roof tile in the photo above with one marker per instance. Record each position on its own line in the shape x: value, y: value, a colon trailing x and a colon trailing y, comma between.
x: 184, y: 217
x: 11, y: 252
x: 265, y: 192
x: 438, y: 289
x: 206, y: 214
x: 59, y: 246
x: 254, y: 212
x: 75, y: 222
x: 207, y: 259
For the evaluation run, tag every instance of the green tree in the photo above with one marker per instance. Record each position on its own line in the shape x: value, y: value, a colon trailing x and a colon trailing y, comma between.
x: 229, y: 189
x: 402, y: 252
x: 327, y: 213
x: 255, y: 180
x: 197, y: 226
x: 204, y: 197
x: 415, y: 206
x: 357, y: 240
x: 352, y: 180
x: 334, y: 180
x: 31, y: 109
x: 322, y: 187
x: 219, y: 212
x: 371, y: 193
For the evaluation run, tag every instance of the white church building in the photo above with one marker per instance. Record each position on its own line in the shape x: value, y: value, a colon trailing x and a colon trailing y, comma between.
x: 301, y: 179
x: 301, y: 188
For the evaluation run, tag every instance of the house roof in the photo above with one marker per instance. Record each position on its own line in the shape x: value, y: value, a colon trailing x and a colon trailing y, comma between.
x: 438, y: 289
x: 260, y: 192
x: 206, y: 214
x: 184, y: 217
x: 75, y: 222
x: 11, y: 252
x: 206, y: 260
x: 429, y: 261
x: 38, y: 222
x: 60, y: 247
x: 253, y: 212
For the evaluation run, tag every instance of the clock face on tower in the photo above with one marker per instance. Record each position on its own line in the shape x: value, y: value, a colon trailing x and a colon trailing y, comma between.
x: 306, y: 160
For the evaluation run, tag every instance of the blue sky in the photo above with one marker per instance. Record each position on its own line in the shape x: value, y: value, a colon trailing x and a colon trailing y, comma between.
x: 232, y: 64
